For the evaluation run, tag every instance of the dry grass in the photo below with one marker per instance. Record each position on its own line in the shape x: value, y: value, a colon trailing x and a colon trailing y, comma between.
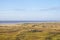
x: 30, y: 31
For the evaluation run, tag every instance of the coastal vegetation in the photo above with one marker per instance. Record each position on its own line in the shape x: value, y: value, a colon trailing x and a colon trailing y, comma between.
x: 30, y: 31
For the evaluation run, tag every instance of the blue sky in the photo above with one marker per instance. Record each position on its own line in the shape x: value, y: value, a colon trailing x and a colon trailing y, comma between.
x: 29, y: 9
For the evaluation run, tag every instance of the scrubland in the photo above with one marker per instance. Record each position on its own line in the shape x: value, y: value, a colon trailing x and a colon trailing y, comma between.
x: 30, y: 31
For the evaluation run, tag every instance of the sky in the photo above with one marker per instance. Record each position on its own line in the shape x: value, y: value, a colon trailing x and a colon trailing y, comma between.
x: 29, y: 10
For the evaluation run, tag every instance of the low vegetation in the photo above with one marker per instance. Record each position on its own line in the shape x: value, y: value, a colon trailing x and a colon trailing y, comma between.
x: 30, y: 31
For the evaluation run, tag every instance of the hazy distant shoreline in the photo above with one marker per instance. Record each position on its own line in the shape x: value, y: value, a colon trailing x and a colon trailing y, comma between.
x: 14, y: 22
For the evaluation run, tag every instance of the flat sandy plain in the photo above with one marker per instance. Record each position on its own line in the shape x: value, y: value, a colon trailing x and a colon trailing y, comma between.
x: 30, y: 31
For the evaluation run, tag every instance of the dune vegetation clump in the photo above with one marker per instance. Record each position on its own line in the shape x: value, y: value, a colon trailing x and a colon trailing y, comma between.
x: 30, y: 31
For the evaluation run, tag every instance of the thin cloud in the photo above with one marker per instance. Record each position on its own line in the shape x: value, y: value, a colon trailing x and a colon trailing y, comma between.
x: 48, y: 9
x: 12, y: 10
x: 55, y: 8
x: 22, y: 9
x: 18, y: 9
